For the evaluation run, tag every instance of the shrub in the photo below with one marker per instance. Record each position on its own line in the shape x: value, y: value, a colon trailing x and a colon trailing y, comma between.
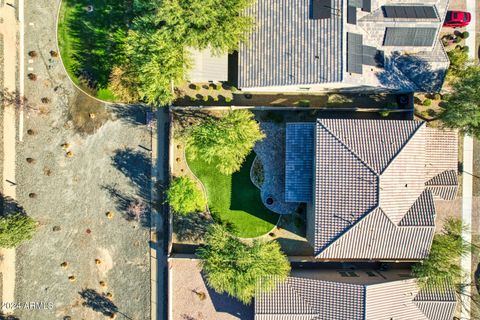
x: 304, y: 103
x: 384, y: 113
x: 205, y: 98
x: 465, y: 35
x: 15, y: 228
x: 198, y: 87
x: 218, y: 86
x: 437, y: 96
x: 427, y: 102
x: 228, y: 99
x: 185, y: 197
x: 465, y: 49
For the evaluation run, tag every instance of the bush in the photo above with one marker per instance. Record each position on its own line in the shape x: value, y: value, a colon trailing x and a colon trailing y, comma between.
x: 228, y: 99
x: 304, y: 103
x: 198, y: 87
x: 437, y: 96
x: 205, y: 98
x: 384, y: 113
x: 465, y: 35
x: 427, y: 102
x: 465, y: 49
x: 185, y: 197
x: 14, y: 229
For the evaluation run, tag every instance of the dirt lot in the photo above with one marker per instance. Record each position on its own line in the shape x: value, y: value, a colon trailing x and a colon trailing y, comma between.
x: 88, y: 159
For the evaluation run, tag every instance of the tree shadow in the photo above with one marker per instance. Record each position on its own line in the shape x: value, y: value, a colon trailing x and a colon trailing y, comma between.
x: 123, y: 203
x: 135, y: 114
x: 99, y: 303
x: 222, y: 302
x: 411, y: 73
x: 187, y: 118
x: 96, y: 37
x: 9, y: 206
x: 191, y: 227
x: 136, y: 166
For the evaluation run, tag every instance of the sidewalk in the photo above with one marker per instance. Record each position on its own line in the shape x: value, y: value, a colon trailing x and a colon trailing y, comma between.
x: 467, y: 177
x: 8, y: 28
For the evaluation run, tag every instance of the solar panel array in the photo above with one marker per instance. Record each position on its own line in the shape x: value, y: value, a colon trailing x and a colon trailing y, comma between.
x: 413, y: 12
x: 322, y: 9
x: 372, y: 56
x: 409, y: 37
x: 351, y: 15
x: 354, y: 52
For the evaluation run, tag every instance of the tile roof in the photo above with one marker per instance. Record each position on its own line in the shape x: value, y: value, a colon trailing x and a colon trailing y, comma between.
x: 374, y: 175
x: 289, y: 48
x: 310, y: 299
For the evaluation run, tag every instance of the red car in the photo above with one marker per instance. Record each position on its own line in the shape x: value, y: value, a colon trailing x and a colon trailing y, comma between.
x: 456, y: 19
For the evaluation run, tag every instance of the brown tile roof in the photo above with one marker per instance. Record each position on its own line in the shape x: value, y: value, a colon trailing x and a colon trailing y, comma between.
x: 373, y: 184
x: 309, y: 299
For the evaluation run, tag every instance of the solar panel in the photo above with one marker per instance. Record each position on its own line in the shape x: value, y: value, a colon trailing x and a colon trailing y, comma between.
x: 372, y: 56
x: 355, y: 3
x: 409, y: 37
x: 413, y: 12
x: 351, y: 15
x: 354, y: 53
x: 321, y: 9
x: 367, y: 6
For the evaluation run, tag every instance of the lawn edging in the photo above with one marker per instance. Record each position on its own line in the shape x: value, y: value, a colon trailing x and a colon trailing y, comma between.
x: 65, y: 69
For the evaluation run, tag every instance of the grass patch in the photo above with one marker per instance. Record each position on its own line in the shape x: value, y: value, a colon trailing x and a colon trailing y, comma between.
x: 90, y: 42
x: 234, y: 198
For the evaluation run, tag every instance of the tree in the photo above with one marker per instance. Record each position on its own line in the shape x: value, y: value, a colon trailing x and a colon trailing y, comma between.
x: 123, y: 84
x: 225, y: 142
x: 462, y: 109
x: 236, y: 268
x: 15, y: 228
x: 156, y: 61
x: 218, y: 24
x: 443, y: 263
x: 184, y: 196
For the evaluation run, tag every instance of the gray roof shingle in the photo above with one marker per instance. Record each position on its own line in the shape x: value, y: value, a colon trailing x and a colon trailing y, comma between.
x: 289, y: 48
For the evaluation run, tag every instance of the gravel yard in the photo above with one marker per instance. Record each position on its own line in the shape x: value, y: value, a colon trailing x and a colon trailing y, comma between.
x: 88, y: 160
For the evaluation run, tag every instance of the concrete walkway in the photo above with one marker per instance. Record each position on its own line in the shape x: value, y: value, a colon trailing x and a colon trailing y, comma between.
x: 9, y: 28
x: 467, y: 177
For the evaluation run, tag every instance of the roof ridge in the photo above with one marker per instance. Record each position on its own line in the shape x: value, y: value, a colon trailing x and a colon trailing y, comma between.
x: 407, y: 142
x: 345, y: 145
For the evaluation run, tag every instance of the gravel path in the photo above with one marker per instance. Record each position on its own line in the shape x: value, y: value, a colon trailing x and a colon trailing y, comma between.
x: 271, y: 152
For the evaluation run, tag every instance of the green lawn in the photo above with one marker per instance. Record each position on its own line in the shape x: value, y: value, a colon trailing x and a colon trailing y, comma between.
x: 89, y: 41
x: 235, y: 199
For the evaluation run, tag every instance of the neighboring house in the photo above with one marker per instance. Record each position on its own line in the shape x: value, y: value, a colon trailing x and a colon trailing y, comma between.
x: 354, y: 298
x: 369, y: 185
x: 354, y: 45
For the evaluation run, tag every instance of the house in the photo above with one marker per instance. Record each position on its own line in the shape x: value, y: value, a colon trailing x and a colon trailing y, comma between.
x: 370, y: 185
x: 346, y: 45
x: 357, y: 295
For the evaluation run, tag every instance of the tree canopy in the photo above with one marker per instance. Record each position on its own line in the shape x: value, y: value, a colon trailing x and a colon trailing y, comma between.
x: 184, y: 196
x: 458, y: 63
x: 218, y: 24
x: 15, y: 228
x: 225, y: 142
x: 238, y: 269
x: 443, y: 263
x: 462, y: 109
